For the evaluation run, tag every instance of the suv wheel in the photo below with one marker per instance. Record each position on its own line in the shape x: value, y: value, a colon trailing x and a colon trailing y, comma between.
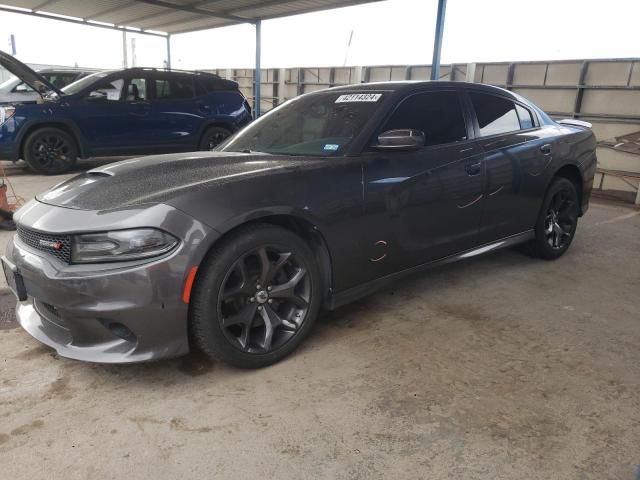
x: 256, y: 297
x: 50, y: 151
x: 213, y: 137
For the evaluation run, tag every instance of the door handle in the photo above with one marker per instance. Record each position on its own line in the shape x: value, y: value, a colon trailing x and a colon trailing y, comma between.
x: 546, y: 148
x: 473, y: 168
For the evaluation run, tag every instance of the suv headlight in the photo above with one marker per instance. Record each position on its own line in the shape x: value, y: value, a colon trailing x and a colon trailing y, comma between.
x: 121, y: 245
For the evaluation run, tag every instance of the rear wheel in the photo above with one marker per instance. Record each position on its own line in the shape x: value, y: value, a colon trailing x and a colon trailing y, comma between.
x: 50, y: 151
x: 557, y: 221
x: 256, y: 297
x: 213, y: 137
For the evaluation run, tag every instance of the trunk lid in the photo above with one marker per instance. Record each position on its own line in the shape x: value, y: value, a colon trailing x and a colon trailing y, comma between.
x: 32, y: 78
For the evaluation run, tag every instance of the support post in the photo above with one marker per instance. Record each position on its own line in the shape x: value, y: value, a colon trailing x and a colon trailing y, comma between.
x: 124, y: 50
x: 169, y: 52
x: 437, y: 44
x: 257, y: 94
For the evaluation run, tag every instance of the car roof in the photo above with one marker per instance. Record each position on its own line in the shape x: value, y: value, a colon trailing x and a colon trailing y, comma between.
x: 68, y: 70
x: 408, y: 85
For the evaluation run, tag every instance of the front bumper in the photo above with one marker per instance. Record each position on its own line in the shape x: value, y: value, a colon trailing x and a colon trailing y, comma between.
x: 107, y: 313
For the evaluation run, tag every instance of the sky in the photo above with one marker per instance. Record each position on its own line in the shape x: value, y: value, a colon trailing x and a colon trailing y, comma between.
x: 392, y: 32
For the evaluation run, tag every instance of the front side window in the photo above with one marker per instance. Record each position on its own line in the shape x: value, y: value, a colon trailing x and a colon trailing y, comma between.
x: 438, y: 115
x: 495, y: 114
x: 315, y: 125
x: 111, y: 90
x: 136, y: 90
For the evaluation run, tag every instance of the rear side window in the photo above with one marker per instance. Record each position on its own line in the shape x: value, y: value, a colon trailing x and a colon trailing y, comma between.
x: 438, y: 115
x: 173, y: 88
x: 495, y: 114
x: 526, y: 120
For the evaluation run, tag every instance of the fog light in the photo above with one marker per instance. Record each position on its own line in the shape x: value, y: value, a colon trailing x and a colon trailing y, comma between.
x: 119, y: 330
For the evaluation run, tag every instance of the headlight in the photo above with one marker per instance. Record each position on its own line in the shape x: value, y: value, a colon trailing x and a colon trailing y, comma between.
x: 120, y: 245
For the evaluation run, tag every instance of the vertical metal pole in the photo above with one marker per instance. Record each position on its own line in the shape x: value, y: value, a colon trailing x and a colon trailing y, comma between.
x: 258, y: 71
x: 124, y: 49
x: 168, y: 52
x: 437, y: 43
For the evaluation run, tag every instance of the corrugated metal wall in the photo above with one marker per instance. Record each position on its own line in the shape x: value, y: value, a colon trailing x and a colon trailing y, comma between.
x: 603, y: 92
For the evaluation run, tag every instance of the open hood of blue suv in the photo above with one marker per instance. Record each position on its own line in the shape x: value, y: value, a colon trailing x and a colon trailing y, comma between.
x: 29, y: 76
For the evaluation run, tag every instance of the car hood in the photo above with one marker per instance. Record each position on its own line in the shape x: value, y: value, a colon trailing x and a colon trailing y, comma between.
x: 160, y: 178
x: 29, y: 76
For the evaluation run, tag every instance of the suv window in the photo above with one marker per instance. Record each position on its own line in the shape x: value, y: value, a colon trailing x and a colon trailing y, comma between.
x: 110, y: 90
x: 438, y: 115
x: 171, y: 88
x: 495, y: 114
x: 136, y: 90
x: 60, y: 80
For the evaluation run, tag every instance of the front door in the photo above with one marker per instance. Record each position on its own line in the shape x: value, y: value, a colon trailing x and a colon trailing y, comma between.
x: 424, y: 204
x: 115, y: 116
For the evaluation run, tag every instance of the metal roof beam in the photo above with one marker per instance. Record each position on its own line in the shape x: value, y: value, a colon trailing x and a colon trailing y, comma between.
x: 78, y: 22
x: 194, y: 10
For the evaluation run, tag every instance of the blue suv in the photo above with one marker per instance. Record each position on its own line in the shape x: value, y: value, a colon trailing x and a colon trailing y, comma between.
x: 126, y: 112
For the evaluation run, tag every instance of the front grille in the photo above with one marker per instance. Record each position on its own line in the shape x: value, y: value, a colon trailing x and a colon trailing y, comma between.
x: 55, y: 245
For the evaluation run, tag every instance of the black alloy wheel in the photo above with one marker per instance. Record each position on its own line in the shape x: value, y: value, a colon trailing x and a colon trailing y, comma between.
x: 557, y: 222
x: 560, y: 220
x: 256, y: 296
x: 264, y: 300
x: 213, y: 137
x: 50, y: 151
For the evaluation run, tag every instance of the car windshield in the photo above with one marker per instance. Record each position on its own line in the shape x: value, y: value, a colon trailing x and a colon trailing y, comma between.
x: 318, y: 124
x: 81, y: 84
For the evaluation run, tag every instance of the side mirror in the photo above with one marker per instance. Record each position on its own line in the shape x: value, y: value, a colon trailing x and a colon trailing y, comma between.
x: 401, y: 140
x: 97, y: 95
x: 22, y: 88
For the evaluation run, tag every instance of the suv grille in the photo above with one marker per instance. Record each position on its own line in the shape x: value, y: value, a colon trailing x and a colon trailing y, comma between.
x: 56, y: 245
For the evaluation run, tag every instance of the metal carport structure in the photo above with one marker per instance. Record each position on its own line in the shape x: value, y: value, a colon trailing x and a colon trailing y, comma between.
x: 164, y: 18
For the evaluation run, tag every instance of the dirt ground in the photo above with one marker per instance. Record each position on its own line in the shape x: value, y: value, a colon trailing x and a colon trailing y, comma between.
x: 502, y: 367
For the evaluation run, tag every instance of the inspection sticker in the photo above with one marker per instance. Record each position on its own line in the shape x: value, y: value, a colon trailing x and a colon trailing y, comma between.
x: 331, y: 147
x: 359, y: 97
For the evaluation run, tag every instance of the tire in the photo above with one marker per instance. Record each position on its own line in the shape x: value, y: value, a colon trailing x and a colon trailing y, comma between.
x: 212, y: 137
x: 50, y: 151
x: 232, y: 311
x: 557, y: 221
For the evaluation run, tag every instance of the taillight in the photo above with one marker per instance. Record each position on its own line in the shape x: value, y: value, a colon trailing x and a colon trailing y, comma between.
x: 6, y: 113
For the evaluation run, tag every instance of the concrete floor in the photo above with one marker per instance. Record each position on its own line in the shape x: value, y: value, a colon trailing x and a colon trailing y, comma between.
x: 503, y: 367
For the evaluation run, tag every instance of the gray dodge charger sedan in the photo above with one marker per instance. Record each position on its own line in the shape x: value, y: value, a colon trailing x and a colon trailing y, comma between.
x: 323, y: 200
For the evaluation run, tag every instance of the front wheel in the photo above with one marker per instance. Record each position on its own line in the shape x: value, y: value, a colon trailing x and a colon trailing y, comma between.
x: 557, y: 222
x: 256, y: 297
x: 50, y: 151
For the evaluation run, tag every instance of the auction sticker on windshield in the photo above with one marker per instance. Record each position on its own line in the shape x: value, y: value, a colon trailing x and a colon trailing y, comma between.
x: 359, y: 97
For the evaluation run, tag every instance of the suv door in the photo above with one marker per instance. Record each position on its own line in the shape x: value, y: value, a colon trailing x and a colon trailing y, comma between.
x: 114, y: 115
x: 515, y: 152
x: 424, y: 204
x: 177, y: 117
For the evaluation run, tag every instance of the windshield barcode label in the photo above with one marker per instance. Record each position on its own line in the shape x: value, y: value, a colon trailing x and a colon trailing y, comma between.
x: 359, y: 97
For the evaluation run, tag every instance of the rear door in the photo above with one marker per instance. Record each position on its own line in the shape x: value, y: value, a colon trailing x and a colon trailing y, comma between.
x: 515, y: 151
x: 176, y: 114
x: 424, y: 204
